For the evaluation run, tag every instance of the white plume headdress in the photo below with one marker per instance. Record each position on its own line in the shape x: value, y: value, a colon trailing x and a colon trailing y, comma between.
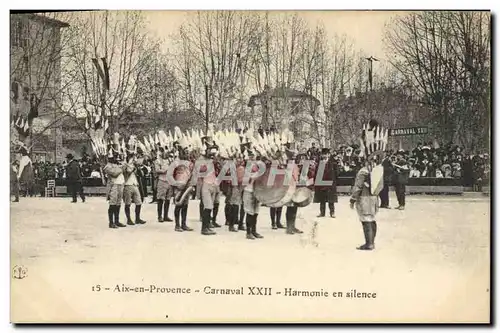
x: 373, y: 139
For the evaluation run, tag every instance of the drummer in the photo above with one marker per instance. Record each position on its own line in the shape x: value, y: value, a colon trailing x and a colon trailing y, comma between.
x: 250, y: 203
x: 235, y: 197
x: 292, y: 208
x: 182, y: 174
x: 275, y: 212
x: 210, y: 191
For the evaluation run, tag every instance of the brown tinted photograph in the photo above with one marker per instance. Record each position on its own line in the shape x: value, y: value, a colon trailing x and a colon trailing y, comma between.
x: 250, y: 167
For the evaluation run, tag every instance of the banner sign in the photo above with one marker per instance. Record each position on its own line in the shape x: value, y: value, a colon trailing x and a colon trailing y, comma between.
x: 407, y: 131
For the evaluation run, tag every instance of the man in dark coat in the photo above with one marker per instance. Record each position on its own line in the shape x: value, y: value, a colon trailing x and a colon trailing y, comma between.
x: 401, y: 178
x: 326, y: 193
x: 388, y: 171
x: 74, y: 178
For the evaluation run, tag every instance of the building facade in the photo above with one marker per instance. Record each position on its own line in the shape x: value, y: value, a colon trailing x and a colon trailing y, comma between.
x: 287, y: 108
x: 35, y: 77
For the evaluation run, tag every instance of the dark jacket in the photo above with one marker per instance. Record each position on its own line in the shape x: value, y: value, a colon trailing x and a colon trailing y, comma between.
x: 73, y: 172
x: 327, y: 193
x: 388, y: 170
x: 401, y: 176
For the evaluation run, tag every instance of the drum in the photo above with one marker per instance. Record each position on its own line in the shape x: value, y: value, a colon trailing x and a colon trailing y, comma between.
x: 182, y: 175
x: 302, y: 197
x: 277, y: 194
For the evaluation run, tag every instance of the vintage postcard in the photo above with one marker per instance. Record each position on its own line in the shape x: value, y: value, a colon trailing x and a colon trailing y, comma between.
x: 250, y: 167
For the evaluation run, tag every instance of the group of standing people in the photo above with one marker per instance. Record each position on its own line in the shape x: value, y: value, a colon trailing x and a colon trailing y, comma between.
x: 242, y: 207
x: 125, y: 184
x: 397, y: 173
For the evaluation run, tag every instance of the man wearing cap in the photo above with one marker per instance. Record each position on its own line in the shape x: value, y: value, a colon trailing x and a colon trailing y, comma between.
x: 114, y: 172
x: 210, y: 191
x: 292, y: 208
x: 250, y: 204
x: 402, y: 172
x: 235, y: 197
x: 327, y: 193
x: 182, y: 176
x: 131, y: 191
x: 74, y: 178
x: 164, y: 190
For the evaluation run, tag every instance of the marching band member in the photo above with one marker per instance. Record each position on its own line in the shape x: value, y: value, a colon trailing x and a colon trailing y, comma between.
x: 251, y: 205
x: 217, y: 161
x: 163, y: 188
x: 114, y: 172
x: 275, y: 213
x: 131, y: 191
x: 182, y: 192
x: 244, y: 147
x: 241, y: 219
x: 292, y: 208
x: 235, y: 196
x: 154, y: 179
x: 210, y: 191
x: 369, y: 182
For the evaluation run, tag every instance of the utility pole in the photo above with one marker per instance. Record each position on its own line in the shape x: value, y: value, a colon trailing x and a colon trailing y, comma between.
x: 206, y: 108
x: 242, y: 83
x: 371, y: 59
x: 155, y: 87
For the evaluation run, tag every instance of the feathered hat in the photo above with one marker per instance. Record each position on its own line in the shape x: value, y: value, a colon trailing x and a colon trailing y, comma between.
x: 373, y: 142
x: 132, y: 145
x: 373, y: 139
x: 96, y: 126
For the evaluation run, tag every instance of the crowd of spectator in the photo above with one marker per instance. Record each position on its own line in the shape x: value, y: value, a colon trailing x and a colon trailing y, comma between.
x: 425, y: 161
x: 44, y: 171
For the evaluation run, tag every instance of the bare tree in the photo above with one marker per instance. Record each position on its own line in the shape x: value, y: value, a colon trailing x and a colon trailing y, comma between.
x: 214, y: 51
x: 37, y: 48
x: 446, y: 57
x: 119, y: 44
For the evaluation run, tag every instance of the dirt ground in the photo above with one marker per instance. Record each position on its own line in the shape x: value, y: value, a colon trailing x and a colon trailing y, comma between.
x: 431, y: 264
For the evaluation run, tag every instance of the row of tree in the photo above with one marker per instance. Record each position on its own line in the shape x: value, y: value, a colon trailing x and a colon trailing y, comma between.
x: 441, y: 59
x: 446, y: 56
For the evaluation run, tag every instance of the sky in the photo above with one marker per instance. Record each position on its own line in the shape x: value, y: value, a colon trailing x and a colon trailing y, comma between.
x: 364, y: 28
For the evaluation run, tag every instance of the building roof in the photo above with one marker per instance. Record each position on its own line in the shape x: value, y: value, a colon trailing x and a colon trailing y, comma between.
x: 44, y: 19
x: 280, y: 93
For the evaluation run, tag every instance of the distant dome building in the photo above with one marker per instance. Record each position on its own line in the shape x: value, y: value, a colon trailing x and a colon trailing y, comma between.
x: 285, y: 108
